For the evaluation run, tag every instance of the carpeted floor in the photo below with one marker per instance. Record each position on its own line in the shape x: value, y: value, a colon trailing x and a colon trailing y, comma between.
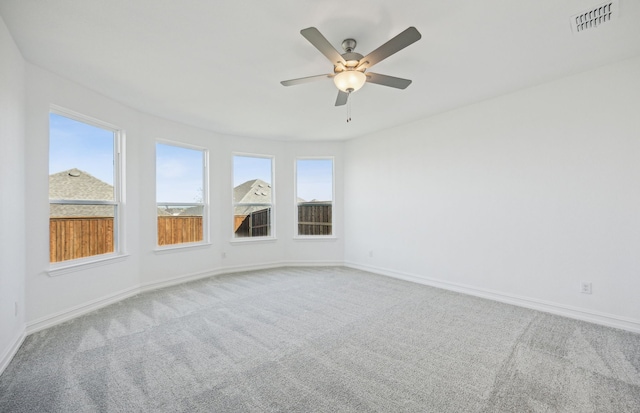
x: 321, y: 340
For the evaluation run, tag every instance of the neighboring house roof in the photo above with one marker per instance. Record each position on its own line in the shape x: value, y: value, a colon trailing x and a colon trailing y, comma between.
x: 163, y: 212
x: 195, y: 211
x: 255, y: 191
x: 166, y: 211
x: 78, y: 184
x: 75, y: 184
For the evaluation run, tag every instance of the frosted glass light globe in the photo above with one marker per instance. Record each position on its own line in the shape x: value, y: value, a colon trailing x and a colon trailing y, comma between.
x: 349, y: 80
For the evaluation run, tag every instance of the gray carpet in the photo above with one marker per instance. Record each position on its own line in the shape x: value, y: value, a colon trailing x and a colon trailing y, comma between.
x: 321, y: 340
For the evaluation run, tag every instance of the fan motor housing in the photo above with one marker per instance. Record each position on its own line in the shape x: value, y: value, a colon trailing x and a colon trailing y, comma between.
x: 352, y: 56
x: 352, y: 59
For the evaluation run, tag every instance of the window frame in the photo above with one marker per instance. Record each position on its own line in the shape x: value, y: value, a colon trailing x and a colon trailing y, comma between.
x: 119, y: 239
x: 296, y: 234
x: 272, y: 205
x: 205, y: 198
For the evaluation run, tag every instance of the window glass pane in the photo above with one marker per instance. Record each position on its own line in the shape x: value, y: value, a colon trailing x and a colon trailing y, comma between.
x: 252, y: 196
x: 255, y: 172
x: 80, y: 160
x: 179, y: 174
x: 315, y: 179
x: 180, y: 194
x: 81, y: 168
x: 314, y: 189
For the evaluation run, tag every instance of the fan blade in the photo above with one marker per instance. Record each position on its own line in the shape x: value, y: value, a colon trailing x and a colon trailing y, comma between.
x: 385, y: 80
x: 321, y: 43
x: 404, y: 39
x: 301, y: 80
x: 342, y: 98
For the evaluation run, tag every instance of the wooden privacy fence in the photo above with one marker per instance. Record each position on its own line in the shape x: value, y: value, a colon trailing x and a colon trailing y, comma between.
x: 71, y: 238
x: 76, y: 237
x: 256, y: 224
x: 179, y: 229
x: 314, y: 218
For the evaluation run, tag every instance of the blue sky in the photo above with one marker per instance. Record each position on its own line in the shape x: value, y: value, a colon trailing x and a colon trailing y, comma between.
x: 315, y: 179
x: 247, y: 168
x: 74, y: 144
x: 179, y: 178
x: 179, y: 174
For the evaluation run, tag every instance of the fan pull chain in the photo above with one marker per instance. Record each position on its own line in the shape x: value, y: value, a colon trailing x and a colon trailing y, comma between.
x: 349, y: 108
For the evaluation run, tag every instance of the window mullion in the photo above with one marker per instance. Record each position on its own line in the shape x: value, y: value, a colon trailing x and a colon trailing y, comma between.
x: 81, y: 202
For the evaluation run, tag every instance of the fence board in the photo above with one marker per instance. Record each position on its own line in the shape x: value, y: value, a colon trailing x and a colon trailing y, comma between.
x: 179, y: 229
x: 256, y: 224
x: 315, y: 219
x: 77, y: 237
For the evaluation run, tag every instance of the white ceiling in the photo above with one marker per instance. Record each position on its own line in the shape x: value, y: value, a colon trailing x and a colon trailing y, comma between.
x: 218, y: 64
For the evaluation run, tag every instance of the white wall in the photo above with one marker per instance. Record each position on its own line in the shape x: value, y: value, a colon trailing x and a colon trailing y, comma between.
x: 12, y: 191
x: 518, y: 198
x: 54, y: 299
x: 223, y: 254
x: 49, y: 296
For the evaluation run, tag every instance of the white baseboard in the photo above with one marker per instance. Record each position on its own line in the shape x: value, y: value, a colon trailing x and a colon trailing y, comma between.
x: 591, y: 316
x: 280, y: 264
x: 76, y: 311
x: 535, y: 304
x: 155, y: 285
x: 7, y: 356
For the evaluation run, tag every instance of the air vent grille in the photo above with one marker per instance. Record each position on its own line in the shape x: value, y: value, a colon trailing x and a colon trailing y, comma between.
x: 594, y: 17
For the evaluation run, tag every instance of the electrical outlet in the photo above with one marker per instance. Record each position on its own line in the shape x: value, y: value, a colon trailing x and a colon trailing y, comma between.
x: 224, y: 254
x: 15, y: 308
x: 371, y: 254
x: 585, y: 287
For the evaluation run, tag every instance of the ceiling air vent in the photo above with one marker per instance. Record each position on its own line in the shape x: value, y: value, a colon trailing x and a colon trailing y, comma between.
x: 594, y: 17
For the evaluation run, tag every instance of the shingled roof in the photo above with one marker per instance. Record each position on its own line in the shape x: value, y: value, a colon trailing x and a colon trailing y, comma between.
x: 75, y: 184
x: 255, y: 191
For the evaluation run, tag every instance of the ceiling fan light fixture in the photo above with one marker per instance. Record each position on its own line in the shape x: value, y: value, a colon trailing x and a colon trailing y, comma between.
x: 349, y: 80
x: 349, y: 68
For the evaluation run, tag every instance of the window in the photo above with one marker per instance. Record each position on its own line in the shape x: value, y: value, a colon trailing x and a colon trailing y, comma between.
x: 84, y: 187
x: 252, y: 196
x: 181, y: 193
x: 314, y: 196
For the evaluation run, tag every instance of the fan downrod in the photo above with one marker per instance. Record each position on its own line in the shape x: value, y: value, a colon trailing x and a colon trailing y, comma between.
x: 349, y: 45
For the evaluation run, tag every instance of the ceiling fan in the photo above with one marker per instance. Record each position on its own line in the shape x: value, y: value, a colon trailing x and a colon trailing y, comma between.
x: 350, y: 68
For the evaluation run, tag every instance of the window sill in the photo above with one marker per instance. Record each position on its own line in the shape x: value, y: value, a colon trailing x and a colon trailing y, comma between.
x: 315, y: 238
x: 84, y: 264
x: 181, y: 247
x: 253, y: 240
